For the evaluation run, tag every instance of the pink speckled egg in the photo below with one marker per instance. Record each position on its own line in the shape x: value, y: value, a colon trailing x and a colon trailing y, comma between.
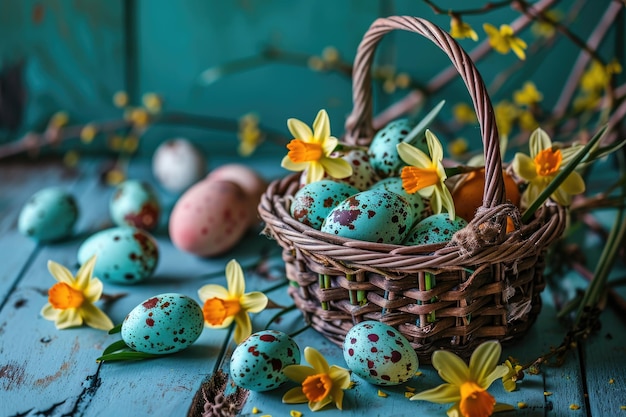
x: 248, y: 179
x: 210, y: 218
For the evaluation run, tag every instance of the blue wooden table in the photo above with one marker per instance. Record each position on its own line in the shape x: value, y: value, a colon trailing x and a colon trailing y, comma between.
x: 48, y: 372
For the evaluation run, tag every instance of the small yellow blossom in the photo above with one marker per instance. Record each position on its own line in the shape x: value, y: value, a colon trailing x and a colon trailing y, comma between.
x: 403, y: 80
x: 611, y: 381
x: 545, y: 29
x: 88, y: 133
x: 59, y: 119
x: 587, y: 101
x: 330, y: 55
x: 458, y: 147
x: 382, y: 394
x: 316, y: 63
x: 71, y: 300
x: 504, y: 40
x: 509, y: 380
x: 70, y: 159
x: 138, y: 116
x: 426, y: 175
x: 462, y: 30
x: 506, y: 113
x: 116, y: 142
x: 574, y: 407
x: 465, y: 386
x: 311, y: 150
x: 223, y: 306
x: 130, y: 144
x: 120, y: 99
x: 152, y: 102
x: 249, y: 134
x: 528, y: 95
x: 255, y: 410
x: 295, y: 413
x: 464, y: 113
x: 543, y: 164
x: 115, y: 177
x: 598, y: 76
x: 527, y: 121
x: 320, y: 384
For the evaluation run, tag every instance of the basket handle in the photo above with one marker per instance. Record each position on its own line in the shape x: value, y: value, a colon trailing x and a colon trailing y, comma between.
x: 359, y: 128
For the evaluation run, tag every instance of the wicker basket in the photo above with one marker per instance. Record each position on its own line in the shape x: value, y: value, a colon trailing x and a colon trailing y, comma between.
x: 485, y: 284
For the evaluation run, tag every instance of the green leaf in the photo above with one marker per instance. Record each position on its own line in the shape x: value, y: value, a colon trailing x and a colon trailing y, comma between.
x: 418, y: 131
x: 114, y: 347
x: 116, y: 329
x: 128, y: 355
x: 561, y: 176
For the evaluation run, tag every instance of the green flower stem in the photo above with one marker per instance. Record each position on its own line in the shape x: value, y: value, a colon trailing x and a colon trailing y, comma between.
x: 599, y: 283
x: 460, y: 169
x: 561, y: 176
x: 351, y: 293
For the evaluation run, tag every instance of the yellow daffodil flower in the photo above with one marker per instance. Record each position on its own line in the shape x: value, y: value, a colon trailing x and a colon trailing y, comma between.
x: 249, y: 134
x: 527, y: 121
x: 462, y: 30
x: 509, y: 379
x: 506, y: 113
x: 598, y: 76
x: 467, y: 386
x: 320, y: 384
x: 504, y: 40
x: 543, y: 164
x: 528, y: 95
x: 426, y: 175
x: 71, y: 300
x: 223, y: 306
x: 311, y: 150
x: 464, y: 113
x: 544, y: 28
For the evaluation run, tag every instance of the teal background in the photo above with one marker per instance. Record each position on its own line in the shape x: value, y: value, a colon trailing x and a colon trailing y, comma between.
x: 78, y: 53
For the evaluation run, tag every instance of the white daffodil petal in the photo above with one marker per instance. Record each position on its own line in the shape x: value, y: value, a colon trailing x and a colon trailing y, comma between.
x: 413, y: 156
x: 60, y: 273
x: 316, y: 360
x: 336, y: 167
x: 321, y: 126
x: 235, y: 279
x: 253, y: 302
x: 484, y: 360
x: 288, y: 164
x: 539, y: 140
x: 434, y: 146
x: 329, y: 145
x: 299, y: 130
x: 570, y: 153
x: 524, y: 166
x: 49, y: 313
x: 85, y: 272
x: 209, y: 291
x: 444, y: 393
x: 451, y: 368
x: 94, y: 317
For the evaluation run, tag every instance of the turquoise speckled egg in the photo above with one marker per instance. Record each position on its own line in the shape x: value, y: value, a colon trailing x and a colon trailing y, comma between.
x: 257, y: 363
x: 134, y: 203
x: 394, y: 184
x: 373, y: 215
x: 312, y: 203
x: 165, y: 323
x: 50, y: 214
x: 437, y: 228
x: 383, y: 153
x: 125, y: 255
x: 379, y: 354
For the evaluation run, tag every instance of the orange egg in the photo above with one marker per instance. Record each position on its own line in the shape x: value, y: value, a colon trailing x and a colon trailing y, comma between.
x: 468, y: 194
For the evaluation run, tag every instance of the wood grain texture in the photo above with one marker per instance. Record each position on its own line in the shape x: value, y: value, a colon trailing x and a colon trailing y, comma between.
x: 44, y: 371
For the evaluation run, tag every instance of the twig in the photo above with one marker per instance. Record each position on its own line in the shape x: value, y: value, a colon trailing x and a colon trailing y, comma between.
x: 486, y: 8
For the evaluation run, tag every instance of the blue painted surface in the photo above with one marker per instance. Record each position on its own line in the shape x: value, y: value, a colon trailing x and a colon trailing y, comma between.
x: 52, y: 372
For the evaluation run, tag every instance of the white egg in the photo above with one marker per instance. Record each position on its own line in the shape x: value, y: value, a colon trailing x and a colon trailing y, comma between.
x: 177, y: 164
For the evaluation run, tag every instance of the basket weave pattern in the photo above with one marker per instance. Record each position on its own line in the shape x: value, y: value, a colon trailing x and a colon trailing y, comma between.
x: 485, y: 284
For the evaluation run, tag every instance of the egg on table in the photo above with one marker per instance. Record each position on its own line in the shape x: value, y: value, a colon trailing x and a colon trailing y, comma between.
x: 379, y: 354
x: 257, y: 363
x: 134, y: 203
x: 177, y: 164
x: 49, y: 215
x: 125, y: 255
x: 165, y: 323
x: 249, y: 180
x: 210, y: 218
